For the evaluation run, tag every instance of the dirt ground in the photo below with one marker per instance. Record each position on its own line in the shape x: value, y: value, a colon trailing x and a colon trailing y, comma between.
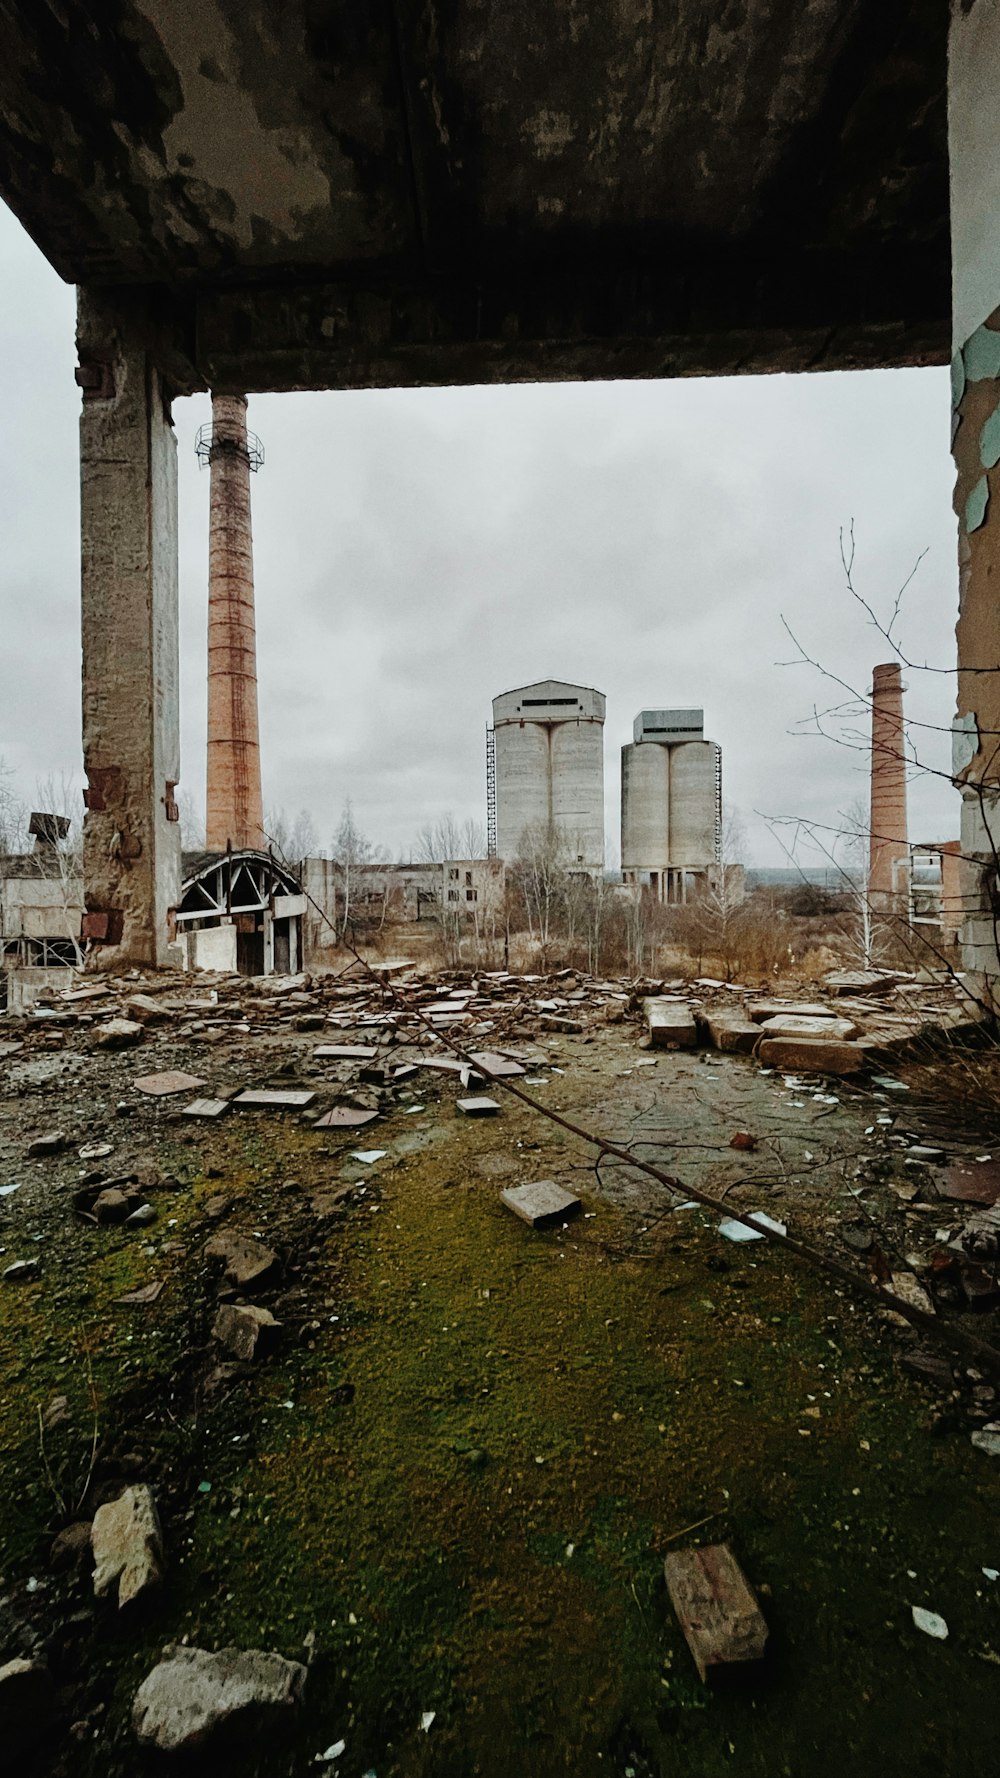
x: 451, y: 1487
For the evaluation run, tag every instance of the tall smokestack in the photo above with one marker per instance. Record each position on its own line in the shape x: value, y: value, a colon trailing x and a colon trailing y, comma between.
x: 234, y: 811
x: 889, y: 852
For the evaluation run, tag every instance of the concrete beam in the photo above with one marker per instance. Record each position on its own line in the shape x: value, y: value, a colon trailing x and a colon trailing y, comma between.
x: 131, y: 732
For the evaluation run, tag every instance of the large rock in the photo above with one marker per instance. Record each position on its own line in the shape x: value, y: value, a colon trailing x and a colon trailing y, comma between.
x: 144, y: 1010
x: 128, y: 1545
x: 246, y: 1261
x: 193, y: 1696
x: 813, y: 1055
x: 118, y: 1034
x: 242, y: 1329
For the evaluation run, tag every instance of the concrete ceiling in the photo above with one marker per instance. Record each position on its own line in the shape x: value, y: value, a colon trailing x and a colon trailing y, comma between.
x: 312, y: 193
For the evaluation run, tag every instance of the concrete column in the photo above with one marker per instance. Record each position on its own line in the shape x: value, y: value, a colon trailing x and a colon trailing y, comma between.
x: 131, y: 733
x: 974, y: 151
x: 888, y: 849
x: 234, y: 806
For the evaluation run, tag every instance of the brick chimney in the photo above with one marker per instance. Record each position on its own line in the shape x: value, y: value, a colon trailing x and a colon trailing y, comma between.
x: 234, y: 806
x: 888, y: 849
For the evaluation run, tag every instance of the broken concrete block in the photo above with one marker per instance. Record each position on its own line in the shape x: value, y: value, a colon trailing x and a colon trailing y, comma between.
x: 813, y: 1055
x: 542, y: 1203
x: 493, y: 1066
x: 796, y: 1025
x: 206, y: 1108
x: 671, y: 1027
x: 193, y: 1696
x: 716, y: 1608
x: 729, y: 1032
x: 242, y: 1328
x: 345, y: 1117
x: 128, y: 1545
x: 859, y: 981
x: 478, y: 1106
x: 346, y: 1052
x: 246, y: 1261
x: 905, y: 1286
x: 118, y: 1034
x: 759, y: 1010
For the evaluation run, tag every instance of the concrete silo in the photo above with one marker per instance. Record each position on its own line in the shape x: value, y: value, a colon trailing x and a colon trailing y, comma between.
x: 671, y: 803
x: 548, y: 743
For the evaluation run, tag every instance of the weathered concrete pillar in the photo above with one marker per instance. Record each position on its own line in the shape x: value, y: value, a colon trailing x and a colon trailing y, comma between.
x: 889, y: 856
x: 974, y: 149
x: 131, y: 744
x: 234, y: 805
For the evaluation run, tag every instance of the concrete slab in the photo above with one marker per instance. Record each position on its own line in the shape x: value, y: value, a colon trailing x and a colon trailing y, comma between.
x: 813, y: 1055
x: 495, y: 1066
x: 345, y: 1117
x: 542, y: 1204
x: 206, y: 1108
x: 803, y: 1025
x: 729, y: 1032
x: 480, y: 1106
x: 759, y: 1010
x: 172, y: 1080
x: 671, y: 1027
x: 275, y: 1100
x: 346, y: 1052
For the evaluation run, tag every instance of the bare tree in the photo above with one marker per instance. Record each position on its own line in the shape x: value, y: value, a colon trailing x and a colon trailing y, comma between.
x: 192, y: 823
x: 449, y: 838
x: 354, y: 855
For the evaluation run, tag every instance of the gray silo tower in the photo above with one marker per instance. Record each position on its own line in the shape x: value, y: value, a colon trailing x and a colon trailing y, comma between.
x: 548, y: 769
x: 671, y: 803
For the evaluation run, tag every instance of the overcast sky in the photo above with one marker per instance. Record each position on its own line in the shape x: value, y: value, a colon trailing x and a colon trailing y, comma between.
x: 419, y: 551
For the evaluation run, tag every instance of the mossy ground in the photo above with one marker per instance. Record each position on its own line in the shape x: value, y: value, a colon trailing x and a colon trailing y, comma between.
x: 480, y: 1530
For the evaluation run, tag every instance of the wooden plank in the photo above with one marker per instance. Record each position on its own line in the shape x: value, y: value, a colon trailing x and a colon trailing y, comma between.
x: 541, y: 1204
x: 716, y: 1608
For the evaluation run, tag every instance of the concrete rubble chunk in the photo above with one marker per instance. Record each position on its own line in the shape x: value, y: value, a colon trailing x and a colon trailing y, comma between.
x: 281, y: 1098
x: 242, y: 1328
x: 118, y: 1034
x: 209, y: 1108
x: 145, y: 1010
x: 716, y: 1608
x: 859, y: 981
x: 671, y: 1027
x: 542, y: 1203
x: 246, y: 1261
x: 52, y: 1143
x: 193, y: 1696
x: 759, y: 1010
x: 128, y: 1545
x: 480, y: 1105
x: 111, y: 1205
x: 799, y: 1025
x: 813, y: 1055
x: 729, y: 1031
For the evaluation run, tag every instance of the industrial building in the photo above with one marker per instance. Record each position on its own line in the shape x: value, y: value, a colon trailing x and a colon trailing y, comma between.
x: 671, y: 804
x: 546, y: 771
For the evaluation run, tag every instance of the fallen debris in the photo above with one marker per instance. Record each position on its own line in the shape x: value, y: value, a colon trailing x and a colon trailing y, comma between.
x: 716, y: 1608
x: 242, y: 1328
x: 542, y: 1203
x: 246, y: 1261
x: 192, y: 1696
x: 670, y: 1027
x: 738, y: 1231
x: 128, y: 1545
x: 210, y: 1108
x: 171, y: 1080
x: 480, y: 1106
x: 345, y: 1117
x: 281, y: 1098
x: 930, y: 1622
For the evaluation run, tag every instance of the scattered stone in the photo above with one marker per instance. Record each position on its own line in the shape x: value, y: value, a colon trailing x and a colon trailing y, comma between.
x: 206, y: 1108
x: 930, y: 1622
x: 71, y: 1548
x: 147, y: 1293
x: 988, y: 1439
x: 22, y: 1270
x: 246, y: 1261
x: 743, y: 1140
x: 140, y: 1218
x: 128, y: 1545
x: 929, y: 1366
x: 905, y: 1286
x: 716, y: 1608
x: 857, y: 1235
x: 53, y: 1143
x: 171, y: 1080
x: 541, y: 1204
x: 111, y: 1206
x: 193, y: 1696
x: 241, y: 1327
x: 118, y: 1034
